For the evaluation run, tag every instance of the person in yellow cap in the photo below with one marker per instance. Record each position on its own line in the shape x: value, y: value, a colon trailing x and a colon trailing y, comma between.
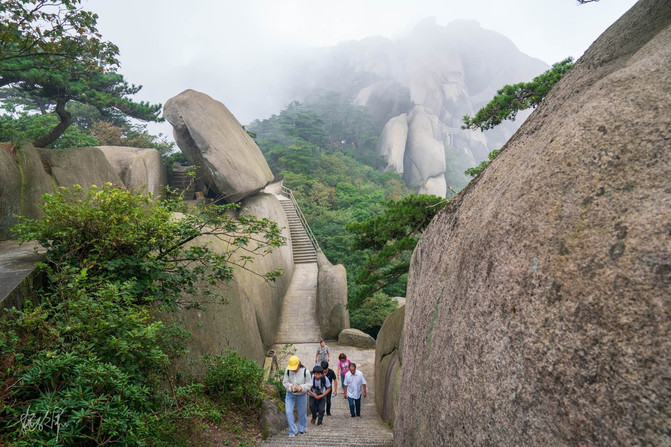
x: 297, y: 380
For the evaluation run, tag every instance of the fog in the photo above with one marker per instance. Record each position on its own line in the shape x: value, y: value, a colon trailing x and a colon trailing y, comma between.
x: 240, y: 52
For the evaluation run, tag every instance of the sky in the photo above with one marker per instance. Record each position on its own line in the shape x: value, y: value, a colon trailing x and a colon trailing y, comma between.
x: 230, y: 49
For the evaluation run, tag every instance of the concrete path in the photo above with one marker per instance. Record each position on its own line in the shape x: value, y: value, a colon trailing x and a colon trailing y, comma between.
x: 300, y: 329
x: 298, y: 317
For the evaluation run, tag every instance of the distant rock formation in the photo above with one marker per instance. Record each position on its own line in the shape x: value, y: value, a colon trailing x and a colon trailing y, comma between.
x: 419, y: 88
x: 539, y: 299
x: 211, y: 138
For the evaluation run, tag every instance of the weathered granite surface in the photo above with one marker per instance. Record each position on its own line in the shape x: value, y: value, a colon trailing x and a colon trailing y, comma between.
x: 542, y: 293
x: 211, y: 138
x: 388, y: 364
x: 356, y: 338
x: 140, y: 169
x: 331, y: 298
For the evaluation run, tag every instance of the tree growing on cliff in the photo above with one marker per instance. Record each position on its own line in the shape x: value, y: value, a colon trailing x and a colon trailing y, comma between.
x: 391, y: 237
x: 512, y: 98
x: 51, y: 54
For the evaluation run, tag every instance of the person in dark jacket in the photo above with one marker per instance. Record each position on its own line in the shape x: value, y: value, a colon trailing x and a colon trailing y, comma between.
x: 321, y: 387
x: 331, y: 375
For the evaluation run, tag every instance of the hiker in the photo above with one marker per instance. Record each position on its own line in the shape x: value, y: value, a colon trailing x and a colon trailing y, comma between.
x: 331, y: 375
x: 352, y: 386
x: 321, y: 387
x: 297, y: 381
x: 323, y: 354
x: 343, y: 367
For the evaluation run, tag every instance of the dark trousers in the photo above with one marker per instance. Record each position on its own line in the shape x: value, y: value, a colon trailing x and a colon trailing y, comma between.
x: 354, y: 404
x: 317, y: 408
x: 328, y: 403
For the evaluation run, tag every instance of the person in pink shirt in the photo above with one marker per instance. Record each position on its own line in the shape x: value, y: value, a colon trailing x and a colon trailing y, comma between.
x: 343, y: 367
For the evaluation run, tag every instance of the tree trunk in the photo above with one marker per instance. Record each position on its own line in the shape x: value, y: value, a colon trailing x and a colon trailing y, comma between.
x: 66, y: 120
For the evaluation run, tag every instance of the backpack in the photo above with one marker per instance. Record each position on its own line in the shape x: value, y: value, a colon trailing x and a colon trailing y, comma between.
x: 317, y: 389
x: 305, y: 374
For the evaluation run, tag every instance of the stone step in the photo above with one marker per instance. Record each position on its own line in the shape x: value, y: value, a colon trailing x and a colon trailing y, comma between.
x: 340, y: 429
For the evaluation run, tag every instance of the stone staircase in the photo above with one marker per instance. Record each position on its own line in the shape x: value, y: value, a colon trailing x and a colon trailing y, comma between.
x: 179, y: 180
x: 303, y: 249
x: 339, y: 429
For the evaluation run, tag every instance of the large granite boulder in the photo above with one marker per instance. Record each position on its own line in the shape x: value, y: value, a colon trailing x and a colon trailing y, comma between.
x: 211, y: 138
x: 542, y: 293
x: 356, y: 338
x: 388, y: 364
x: 266, y: 297
x: 138, y: 168
x: 332, y: 310
x: 84, y: 166
x: 248, y: 321
x: 23, y: 182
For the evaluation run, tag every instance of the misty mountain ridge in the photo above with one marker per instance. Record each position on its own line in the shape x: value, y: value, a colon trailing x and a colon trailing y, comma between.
x: 417, y: 89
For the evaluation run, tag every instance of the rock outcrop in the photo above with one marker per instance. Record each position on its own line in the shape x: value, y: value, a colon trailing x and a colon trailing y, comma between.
x: 248, y: 321
x: 211, y: 138
x: 332, y: 310
x: 84, y: 166
x: 543, y: 290
x: 138, y: 168
x: 23, y: 182
x: 388, y: 364
x: 356, y: 338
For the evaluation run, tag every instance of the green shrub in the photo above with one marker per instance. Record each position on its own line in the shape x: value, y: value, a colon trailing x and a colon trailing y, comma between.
x: 234, y: 378
x: 370, y: 316
x: 88, y: 365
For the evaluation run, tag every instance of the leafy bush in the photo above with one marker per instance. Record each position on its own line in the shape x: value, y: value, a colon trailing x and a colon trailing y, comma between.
x: 88, y: 364
x: 370, y: 316
x: 234, y: 378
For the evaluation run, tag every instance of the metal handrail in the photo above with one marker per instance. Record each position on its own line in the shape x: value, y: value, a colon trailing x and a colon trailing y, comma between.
x: 286, y: 192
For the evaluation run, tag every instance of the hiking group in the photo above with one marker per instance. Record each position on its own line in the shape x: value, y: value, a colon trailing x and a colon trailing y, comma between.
x: 320, y: 384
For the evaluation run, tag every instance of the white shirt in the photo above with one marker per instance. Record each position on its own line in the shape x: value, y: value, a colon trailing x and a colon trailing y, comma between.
x: 353, y: 383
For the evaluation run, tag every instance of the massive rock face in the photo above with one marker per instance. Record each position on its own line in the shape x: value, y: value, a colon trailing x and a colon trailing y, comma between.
x: 539, y: 300
x: 212, y: 139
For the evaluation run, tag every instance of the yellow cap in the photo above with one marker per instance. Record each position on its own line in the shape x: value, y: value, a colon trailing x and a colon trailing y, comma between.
x: 293, y: 363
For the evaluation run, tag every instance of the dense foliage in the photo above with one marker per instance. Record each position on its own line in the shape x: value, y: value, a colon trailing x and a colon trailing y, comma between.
x: 51, y: 54
x: 512, y: 98
x: 391, y: 238
x: 88, y: 363
x: 325, y: 151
